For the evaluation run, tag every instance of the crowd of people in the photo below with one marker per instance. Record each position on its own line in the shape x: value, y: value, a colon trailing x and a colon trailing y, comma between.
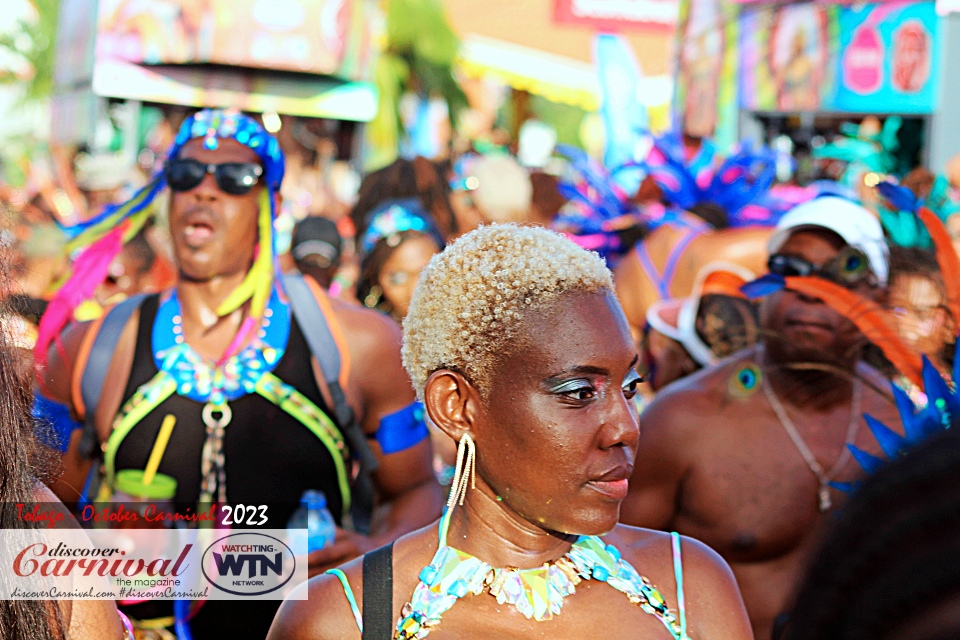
x: 673, y: 392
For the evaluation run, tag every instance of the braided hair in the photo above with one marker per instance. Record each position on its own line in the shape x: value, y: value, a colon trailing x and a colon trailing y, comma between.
x: 891, y: 561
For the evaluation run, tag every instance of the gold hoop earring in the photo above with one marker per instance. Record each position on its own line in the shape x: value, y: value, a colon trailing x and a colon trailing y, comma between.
x: 466, y: 471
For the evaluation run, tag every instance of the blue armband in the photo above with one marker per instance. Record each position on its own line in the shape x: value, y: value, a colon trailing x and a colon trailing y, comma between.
x: 54, y: 423
x: 403, y: 429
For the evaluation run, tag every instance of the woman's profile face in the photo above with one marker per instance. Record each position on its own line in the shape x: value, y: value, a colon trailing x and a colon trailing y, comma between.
x: 401, y: 271
x: 559, y: 430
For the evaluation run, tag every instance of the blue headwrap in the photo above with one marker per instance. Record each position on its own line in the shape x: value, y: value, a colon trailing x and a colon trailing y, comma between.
x: 211, y: 125
x: 394, y: 217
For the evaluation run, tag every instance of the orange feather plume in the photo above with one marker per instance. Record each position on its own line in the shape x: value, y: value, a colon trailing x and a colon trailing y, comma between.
x: 947, y: 259
x: 875, y: 322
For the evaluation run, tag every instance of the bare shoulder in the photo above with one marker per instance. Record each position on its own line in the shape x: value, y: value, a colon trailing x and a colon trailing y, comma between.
x: 627, y: 270
x: 878, y: 399
x: 325, y: 611
x: 365, y: 330
x: 652, y: 552
x: 714, y: 607
x: 55, y: 379
x: 319, y: 609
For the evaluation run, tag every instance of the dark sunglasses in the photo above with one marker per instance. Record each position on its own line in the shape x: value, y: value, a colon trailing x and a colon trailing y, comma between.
x: 235, y: 178
x: 848, y: 268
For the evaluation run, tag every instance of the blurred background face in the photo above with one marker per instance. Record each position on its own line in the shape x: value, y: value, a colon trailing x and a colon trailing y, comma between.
x: 559, y: 430
x: 214, y: 233
x: 401, y: 271
x: 129, y: 275
x: 918, y: 303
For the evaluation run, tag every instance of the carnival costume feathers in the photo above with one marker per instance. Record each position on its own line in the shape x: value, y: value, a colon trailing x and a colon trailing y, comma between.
x: 939, y: 414
x: 900, y: 220
x: 904, y: 201
x: 740, y: 183
x: 100, y: 239
x: 863, y: 152
x: 598, y: 208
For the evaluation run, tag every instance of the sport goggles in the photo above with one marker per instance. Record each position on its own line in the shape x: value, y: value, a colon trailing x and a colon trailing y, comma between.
x: 234, y: 178
x: 849, y: 268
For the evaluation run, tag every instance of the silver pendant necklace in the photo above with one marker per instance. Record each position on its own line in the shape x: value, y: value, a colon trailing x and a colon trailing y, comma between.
x: 824, y: 500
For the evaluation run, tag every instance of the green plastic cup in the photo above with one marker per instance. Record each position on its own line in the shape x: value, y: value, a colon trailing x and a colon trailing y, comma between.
x: 130, y: 482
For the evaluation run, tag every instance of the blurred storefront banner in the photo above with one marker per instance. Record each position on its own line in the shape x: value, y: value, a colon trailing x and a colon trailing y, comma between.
x: 707, y: 69
x: 547, y: 48
x: 617, y: 15
x: 301, y: 57
x: 875, y: 58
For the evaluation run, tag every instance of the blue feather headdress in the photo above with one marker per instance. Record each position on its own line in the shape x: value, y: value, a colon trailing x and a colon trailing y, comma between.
x: 598, y: 207
x: 899, y: 218
x: 740, y: 183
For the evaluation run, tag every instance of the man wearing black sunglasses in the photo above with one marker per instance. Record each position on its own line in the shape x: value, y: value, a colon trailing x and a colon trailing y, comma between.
x: 742, y: 455
x: 231, y: 317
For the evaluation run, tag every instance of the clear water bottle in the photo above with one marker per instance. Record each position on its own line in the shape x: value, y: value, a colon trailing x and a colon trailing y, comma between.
x: 315, y: 518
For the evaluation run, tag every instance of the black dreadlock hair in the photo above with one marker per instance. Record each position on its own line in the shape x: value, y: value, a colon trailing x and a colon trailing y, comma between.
x: 418, y: 178
x: 890, y: 563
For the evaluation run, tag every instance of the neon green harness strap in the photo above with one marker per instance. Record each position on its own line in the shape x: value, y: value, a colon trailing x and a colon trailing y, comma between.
x: 147, y: 398
x: 152, y: 394
x: 306, y: 412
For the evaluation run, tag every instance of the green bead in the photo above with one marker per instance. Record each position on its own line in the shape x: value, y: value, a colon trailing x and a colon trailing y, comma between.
x: 409, y: 627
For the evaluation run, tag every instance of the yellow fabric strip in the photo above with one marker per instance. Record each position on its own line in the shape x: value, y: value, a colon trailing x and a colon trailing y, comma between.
x: 147, y: 398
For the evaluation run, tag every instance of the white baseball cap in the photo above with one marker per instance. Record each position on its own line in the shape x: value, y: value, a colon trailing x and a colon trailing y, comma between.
x: 857, y: 226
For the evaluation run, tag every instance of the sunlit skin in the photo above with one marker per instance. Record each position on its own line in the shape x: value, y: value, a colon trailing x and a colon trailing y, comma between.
x: 556, y: 434
x: 214, y: 233
x: 401, y: 271
x: 922, y: 319
x: 715, y: 463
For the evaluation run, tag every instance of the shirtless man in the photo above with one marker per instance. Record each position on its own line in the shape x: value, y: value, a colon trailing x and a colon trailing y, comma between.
x: 717, y: 460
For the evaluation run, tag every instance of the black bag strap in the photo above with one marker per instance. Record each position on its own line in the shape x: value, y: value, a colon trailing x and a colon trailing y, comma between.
x: 323, y: 347
x: 98, y: 365
x: 378, y: 594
